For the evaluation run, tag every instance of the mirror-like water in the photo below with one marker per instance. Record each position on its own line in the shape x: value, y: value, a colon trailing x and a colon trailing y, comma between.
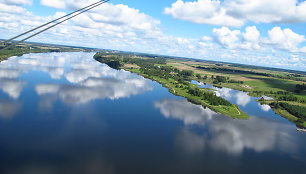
x: 67, y: 113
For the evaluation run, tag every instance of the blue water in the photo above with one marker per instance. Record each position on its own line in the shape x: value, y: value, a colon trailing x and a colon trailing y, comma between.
x: 67, y: 113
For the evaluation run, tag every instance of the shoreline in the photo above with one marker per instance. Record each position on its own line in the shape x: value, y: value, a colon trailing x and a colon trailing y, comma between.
x: 223, y: 110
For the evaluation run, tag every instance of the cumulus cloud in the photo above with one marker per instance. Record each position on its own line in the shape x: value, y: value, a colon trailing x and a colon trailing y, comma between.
x: 7, y: 8
x: 278, y: 38
x: 106, y: 14
x: 285, y: 39
x: 202, y: 12
x: 53, y: 3
x: 236, y: 13
x: 16, y: 2
x: 225, y: 37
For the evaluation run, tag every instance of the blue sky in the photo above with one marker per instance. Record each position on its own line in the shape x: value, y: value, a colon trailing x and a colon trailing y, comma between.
x: 257, y: 32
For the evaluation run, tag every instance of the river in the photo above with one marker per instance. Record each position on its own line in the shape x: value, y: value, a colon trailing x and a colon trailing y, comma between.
x: 67, y: 113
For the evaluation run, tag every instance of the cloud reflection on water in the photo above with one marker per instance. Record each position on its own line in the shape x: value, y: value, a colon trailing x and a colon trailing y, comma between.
x: 11, y: 87
x: 89, y: 79
x: 95, y: 88
x: 9, y: 108
x: 76, y: 78
x: 264, y: 107
x: 226, y: 134
x: 241, y: 98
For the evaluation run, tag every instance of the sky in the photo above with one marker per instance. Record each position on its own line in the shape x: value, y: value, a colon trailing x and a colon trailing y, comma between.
x: 254, y: 32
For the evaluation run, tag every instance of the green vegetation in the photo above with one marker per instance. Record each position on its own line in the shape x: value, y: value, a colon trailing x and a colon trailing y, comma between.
x: 295, y: 110
x: 283, y: 86
x: 177, y: 81
x: 25, y: 48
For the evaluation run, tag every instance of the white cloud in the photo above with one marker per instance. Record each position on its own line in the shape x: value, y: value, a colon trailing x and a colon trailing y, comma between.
x: 202, y: 12
x: 6, y: 8
x: 233, y: 39
x: 106, y: 14
x: 285, y: 39
x: 53, y: 3
x: 16, y: 2
x: 251, y: 34
x: 303, y: 49
x: 238, y: 12
x: 120, y: 27
x: 225, y: 37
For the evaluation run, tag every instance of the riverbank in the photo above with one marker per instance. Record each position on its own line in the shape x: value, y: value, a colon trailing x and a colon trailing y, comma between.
x: 176, y: 82
x: 287, y: 87
x: 26, y: 48
x: 172, y: 85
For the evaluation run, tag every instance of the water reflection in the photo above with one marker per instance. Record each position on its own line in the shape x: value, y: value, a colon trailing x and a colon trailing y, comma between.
x: 67, y: 113
x: 88, y: 80
x: 242, y: 98
x: 12, y: 87
x: 182, y: 110
x: 264, y: 107
x: 93, y: 89
x: 189, y: 141
x: 226, y: 134
x: 89, y: 164
x: 8, y: 108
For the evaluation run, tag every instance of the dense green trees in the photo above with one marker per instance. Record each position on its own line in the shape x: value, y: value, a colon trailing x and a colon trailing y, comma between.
x: 288, y: 98
x: 298, y: 111
x: 186, y: 73
x: 209, y: 96
x: 198, y: 76
x: 300, y: 88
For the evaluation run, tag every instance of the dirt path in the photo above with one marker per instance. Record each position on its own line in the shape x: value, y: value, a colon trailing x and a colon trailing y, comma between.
x: 237, y: 110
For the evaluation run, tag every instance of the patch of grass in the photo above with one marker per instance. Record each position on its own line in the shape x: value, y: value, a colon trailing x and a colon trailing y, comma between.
x: 267, y: 84
x: 285, y: 114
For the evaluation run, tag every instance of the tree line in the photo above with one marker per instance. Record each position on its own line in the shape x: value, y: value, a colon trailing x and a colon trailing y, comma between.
x: 208, y: 96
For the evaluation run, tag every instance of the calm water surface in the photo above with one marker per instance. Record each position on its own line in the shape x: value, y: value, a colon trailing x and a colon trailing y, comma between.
x: 67, y: 113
